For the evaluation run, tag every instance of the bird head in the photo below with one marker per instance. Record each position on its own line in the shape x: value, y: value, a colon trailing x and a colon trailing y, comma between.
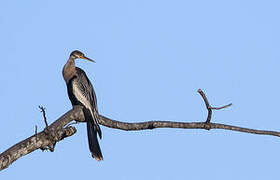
x: 78, y: 54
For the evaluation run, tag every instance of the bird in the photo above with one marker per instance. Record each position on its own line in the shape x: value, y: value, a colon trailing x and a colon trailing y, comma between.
x: 81, y: 92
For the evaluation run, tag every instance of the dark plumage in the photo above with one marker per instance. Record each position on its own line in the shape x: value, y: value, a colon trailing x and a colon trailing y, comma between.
x: 81, y: 92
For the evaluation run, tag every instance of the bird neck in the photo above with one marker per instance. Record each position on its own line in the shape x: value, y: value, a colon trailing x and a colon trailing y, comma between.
x: 69, y: 69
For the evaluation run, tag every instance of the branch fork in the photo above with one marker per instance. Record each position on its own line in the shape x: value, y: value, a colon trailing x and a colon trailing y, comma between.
x: 210, y: 108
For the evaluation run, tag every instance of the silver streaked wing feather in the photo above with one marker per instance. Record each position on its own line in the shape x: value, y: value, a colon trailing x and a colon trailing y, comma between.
x: 86, y: 87
x: 84, y: 92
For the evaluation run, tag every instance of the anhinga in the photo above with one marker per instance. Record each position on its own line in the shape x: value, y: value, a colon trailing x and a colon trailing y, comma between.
x: 80, y: 92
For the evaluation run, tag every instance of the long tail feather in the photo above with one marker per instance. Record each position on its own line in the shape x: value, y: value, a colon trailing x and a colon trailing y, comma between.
x: 93, y: 141
x: 92, y: 131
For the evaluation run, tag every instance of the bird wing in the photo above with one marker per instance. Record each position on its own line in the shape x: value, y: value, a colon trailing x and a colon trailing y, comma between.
x: 83, y: 90
x: 86, y: 87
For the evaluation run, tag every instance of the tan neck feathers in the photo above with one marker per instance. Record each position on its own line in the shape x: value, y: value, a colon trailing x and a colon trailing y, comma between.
x: 69, y: 70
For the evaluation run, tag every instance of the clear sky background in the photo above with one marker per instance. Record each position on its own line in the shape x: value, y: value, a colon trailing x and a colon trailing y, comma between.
x: 151, y: 56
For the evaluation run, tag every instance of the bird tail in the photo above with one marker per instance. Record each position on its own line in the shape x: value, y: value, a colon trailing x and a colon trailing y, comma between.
x: 92, y: 130
x: 93, y: 141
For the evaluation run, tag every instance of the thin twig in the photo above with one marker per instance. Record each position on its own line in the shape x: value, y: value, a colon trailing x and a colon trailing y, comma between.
x: 36, y: 132
x: 204, y: 98
x: 35, y: 129
x: 208, y: 107
x: 43, y: 110
x: 222, y: 107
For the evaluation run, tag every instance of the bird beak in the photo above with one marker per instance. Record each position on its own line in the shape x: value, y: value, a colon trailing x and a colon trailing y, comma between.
x: 84, y: 57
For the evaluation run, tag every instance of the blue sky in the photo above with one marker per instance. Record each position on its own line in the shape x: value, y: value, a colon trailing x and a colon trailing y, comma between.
x: 151, y: 56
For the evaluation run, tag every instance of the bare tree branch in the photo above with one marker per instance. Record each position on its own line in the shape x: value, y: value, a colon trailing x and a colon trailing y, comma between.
x: 60, y: 129
x: 43, y: 140
x: 183, y: 125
